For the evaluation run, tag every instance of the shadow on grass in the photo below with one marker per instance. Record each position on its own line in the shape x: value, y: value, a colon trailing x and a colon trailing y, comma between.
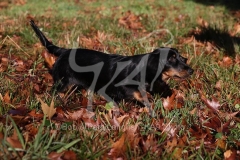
x: 219, y: 37
x: 232, y: 5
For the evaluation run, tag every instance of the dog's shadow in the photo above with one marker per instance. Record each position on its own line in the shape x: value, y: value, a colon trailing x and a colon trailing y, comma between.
x: 221, y: 38
x: 233, y: 5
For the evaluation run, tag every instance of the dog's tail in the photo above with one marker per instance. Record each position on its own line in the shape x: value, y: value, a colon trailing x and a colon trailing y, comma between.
x: 57, y: 51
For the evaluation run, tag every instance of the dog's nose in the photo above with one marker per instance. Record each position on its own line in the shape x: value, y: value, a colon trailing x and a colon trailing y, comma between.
x: 190, y: 71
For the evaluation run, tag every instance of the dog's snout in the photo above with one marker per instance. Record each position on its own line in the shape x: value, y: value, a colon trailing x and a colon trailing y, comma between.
x: 190, y: 71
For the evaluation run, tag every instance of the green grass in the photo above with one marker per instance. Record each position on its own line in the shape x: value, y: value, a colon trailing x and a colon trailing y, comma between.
x: 64, y: 22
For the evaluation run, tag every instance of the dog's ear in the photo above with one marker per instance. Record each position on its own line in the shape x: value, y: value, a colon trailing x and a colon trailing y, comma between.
x: 172, y: 58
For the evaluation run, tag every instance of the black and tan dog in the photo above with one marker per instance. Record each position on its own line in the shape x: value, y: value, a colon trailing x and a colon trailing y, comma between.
x: 116, y: 77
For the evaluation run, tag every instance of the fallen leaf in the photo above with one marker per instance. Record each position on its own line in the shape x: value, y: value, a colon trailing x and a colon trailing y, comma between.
x: 171, y: 144
x: 47, y: 110
x: 6, y: 97
x: 55, y: 156
x: 120, y: 119
x: 150, y: 144
x: 69, y: 155
x: 194, y: 111
x: 230, y: 155
x: 49, y: 59
x: 4, y: 61
x: 3, y: 4
x: 34, y: 114
x: 236, y: 29
x: 176, y: 100
x: 221, y: 143
x: 213, y: 105
x: 237, y: 59
x: 218, y: 85
x: 226, y: 62
x: 202, y: 22
x: 130, y: 21
x: 169, y: 103
x: 118, y: 148
x: 14, y: 141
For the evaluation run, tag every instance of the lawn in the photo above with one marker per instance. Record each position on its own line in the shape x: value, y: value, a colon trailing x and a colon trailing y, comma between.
x: 201, y: 120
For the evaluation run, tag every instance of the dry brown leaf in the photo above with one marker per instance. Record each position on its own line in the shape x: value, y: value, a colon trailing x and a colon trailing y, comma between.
x: 6, y: 98
x: 170, y: 129
x: 193, y: 111
x: 89, y: 122
x: 221, y: 143
x: 3, y: 4
x: 49, y: 59
x: 230, y: 155
x: 75, y: 115
x: 115, y: 122
x: 118, y: 148
x: 55, y: 155
x: 176, y: 100
x: 69, y: 155
x: 226, y: 62
x: 34, y: 114
x: 14, y: 141
x: 47, y: 110
x: 169, y: 103
x: 150, y: 144
x: 237, y: 59
x: 236, y: 29
x: 213, y: 105
x: 120, y: 119
x: 218, y: 85
x: 20, y: 2
x: 132, y: 135
x: 130, y: 21
x: 4, y: 61
x: 202, y: 22
x: 177, y: 153
x: 171, y: 144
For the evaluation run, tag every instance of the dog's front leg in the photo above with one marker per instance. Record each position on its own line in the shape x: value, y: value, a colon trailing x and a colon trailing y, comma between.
x: 143, y: 97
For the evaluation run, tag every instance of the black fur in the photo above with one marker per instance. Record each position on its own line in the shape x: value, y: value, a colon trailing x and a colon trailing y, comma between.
x: 152, y: 82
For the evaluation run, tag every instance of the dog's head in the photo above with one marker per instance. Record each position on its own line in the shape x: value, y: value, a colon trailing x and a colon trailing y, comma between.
x: 175, y: 66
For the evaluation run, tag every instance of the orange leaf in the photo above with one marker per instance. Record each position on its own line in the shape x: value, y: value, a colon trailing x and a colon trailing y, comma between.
x: 69, y: 155
x: 230, y: 155
x: 226, y: 62
x: 6, y: 97
x: 49, y: 59
x: 55, y: 156
x: 169, y: 103
x: 174, y: 101
x: 118, y: 148
x: 14, y: 141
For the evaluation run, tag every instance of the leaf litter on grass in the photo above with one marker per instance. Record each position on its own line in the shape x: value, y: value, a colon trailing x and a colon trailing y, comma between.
x: 210, y: 130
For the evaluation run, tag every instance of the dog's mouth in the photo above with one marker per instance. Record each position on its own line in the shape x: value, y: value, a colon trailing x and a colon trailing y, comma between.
x: 175, y: 77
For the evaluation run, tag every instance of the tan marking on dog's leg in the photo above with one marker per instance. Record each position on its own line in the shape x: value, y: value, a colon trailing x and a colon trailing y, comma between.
x: 143, y: 97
